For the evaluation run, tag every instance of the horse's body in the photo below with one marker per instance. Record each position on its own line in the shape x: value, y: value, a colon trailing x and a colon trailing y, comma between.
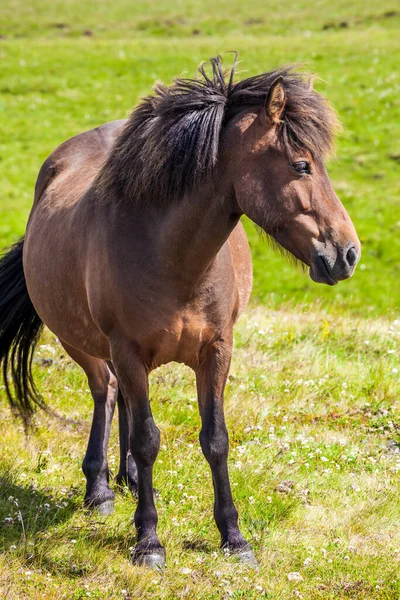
x: 135, y: 256
x: 168, y: 318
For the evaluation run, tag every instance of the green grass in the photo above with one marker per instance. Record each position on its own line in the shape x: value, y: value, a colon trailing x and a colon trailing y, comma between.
x: 326, y: 417
x: 313, y: 396
x: 72, y: 18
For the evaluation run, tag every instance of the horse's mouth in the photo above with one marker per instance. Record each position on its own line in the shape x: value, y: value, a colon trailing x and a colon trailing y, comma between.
x: 320, y: 271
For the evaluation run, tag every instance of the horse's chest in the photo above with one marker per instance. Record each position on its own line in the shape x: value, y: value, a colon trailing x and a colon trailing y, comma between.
x: 181, y: 339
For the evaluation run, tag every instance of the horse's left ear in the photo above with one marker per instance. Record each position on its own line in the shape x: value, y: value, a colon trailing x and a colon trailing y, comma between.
x: 276, y: 100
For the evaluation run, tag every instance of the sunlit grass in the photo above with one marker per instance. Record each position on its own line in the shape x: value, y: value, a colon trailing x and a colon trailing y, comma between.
x: 312, y: 408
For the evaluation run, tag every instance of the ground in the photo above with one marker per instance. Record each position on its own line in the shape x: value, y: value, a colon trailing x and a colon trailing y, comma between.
x: 313, y: 403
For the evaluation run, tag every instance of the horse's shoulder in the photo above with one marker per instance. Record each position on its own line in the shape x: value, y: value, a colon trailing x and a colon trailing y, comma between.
x: 242, y: 263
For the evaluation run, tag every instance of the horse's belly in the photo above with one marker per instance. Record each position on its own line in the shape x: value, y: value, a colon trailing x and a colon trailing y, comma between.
x: 69, y: 319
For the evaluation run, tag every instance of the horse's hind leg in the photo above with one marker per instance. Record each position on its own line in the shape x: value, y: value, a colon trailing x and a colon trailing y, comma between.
x: 127, y: 474
x: 104, y: 388
x: 144, y: 444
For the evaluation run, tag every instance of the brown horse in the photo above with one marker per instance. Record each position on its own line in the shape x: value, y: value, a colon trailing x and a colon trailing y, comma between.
x: 134, y: 256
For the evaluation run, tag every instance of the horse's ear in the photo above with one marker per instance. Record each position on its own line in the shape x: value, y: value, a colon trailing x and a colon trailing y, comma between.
x: 276, y: 100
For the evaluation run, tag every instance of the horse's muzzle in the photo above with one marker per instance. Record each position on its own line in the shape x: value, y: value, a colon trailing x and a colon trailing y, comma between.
x: 332, y: 267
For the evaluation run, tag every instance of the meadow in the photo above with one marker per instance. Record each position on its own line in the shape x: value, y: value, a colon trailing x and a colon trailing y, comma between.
x: 313, y: 400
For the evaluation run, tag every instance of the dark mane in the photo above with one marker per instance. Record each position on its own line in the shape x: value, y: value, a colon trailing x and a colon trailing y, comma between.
x: 171, y: 140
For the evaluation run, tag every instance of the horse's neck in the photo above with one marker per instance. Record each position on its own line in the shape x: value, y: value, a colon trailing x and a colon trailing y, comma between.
x: 182, y: 238
x: 194, y: 232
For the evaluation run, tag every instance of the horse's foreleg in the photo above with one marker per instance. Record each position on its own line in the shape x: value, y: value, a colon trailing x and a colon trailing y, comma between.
x: 103, y: 385
x: 144, y: 445
x: 211, y: 378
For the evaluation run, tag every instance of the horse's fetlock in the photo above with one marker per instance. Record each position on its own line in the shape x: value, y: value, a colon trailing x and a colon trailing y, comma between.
x: 92, y: 468
x: 227, y: 515
x: 146, y: 521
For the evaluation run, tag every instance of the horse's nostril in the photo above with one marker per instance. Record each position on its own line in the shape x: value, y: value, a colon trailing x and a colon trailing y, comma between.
x: 351, y: 256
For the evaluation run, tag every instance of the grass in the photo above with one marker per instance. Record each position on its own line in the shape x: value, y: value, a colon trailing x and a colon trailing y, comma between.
x: 313, y: 397
x: 325, y: 419
x: 188, y: 18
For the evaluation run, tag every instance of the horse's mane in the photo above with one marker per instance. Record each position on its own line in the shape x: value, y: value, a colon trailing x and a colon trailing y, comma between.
x: 171, y: 139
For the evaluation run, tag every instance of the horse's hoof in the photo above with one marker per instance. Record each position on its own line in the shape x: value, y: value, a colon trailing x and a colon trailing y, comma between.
x: 104, y: 509
x: 246, y: 557
x: 153, y: 560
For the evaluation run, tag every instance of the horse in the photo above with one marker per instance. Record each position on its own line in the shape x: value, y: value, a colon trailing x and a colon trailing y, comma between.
x: 135, y: 256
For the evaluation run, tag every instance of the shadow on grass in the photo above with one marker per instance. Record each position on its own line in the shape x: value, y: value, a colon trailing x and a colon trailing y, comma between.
x: 25, y: 511
x: 198, y: 545
x: 57, y: 536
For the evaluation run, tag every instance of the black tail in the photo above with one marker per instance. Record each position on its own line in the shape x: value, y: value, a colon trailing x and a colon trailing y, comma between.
x: 20, y: 327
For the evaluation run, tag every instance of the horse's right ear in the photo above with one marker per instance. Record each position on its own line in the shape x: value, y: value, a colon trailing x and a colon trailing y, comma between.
x: 276, y: 100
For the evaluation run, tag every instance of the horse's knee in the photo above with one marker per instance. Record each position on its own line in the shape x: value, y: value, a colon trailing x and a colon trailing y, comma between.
x: 145, y: 442
x: 215, y: 444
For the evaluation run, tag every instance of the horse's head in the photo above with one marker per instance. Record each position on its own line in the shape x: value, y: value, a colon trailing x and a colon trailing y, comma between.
x: 275, y: 156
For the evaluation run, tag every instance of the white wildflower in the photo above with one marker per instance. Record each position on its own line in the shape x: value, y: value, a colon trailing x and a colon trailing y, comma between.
x: 294, y: 576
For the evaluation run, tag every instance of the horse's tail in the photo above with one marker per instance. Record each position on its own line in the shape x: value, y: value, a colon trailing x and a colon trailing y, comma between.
x: 20, y: 327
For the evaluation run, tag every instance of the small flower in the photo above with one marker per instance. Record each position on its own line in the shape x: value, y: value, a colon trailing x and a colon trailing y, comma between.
x: 294, y: 576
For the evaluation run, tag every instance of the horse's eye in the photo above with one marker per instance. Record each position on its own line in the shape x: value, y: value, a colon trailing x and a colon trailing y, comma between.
x: 301, y: 167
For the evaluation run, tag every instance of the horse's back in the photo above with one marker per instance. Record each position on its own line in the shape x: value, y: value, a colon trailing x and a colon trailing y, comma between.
x: 76, y: 162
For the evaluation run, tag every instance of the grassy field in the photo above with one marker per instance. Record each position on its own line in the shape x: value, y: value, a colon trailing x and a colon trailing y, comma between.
x: 313, y: 398
x: 325, y: 420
